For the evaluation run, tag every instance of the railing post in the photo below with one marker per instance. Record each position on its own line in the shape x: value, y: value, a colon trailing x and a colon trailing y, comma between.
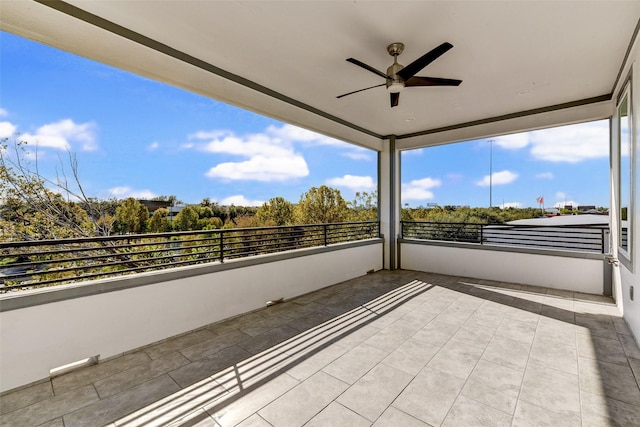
x: 481, y: 234
x: 221, y: 247
x: 324, y: 226
x: 602, y: 240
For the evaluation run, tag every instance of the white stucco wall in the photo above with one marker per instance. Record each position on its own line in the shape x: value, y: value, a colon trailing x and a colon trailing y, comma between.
x: 36, y: 339
x: 558, y: 272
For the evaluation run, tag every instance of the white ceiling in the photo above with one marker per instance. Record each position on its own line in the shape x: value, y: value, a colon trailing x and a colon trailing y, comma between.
x: 287, y: 59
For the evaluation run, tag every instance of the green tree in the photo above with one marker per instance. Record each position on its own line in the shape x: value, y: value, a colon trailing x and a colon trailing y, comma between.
x: 321, y: 205
x: 187, y: 219
x: 159, y: 221
x: 35, y: 207
x: 277, y: 211
x: 364, y: 207
x: 131, y: 217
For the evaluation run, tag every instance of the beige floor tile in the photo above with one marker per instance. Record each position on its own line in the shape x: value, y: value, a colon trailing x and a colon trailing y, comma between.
x: 390, y: 338
x: 494, y: 385
x: 374, y: 392
x: 230, y: 411
x: 315, y: 361
x: 196, y: 350
x: 139, y: 374
x: 557, y: 331
x: 609, y: 379
x: 394, y: 417
x: 303, y: 402
x: 456, y: 358
x: 210, y: 365
x: 596, y: 407
x: 477, y: 336
x: 551, y: 389
x: 182, y: 405
x: 254, y: 421
x: 507, y: 352
x: 436, y: 333
x: 555, y: 355
x: 122, y: 404
x: 517, y: 330
x: 528, y: 415
x: 97, y: 372
x: 337, y: 415
x: 429, y: 396
x: 50, y: 409
x: 355, y: 363
x: 601, y: 348
x: 172, y: 345
x: 470, y: 413
x: 199, y: 418
x: 411, y: 356
x: 25, y: 397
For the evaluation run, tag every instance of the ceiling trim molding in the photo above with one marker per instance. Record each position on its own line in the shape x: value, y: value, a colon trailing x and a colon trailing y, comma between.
x: 626, y: 56
x: 510, y: 116
x: 150, y: 43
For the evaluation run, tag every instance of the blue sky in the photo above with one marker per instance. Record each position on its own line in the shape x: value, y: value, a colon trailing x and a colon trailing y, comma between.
x: 136, y: 137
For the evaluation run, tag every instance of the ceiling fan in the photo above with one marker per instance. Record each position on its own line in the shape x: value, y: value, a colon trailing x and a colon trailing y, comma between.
x: 398, y: 76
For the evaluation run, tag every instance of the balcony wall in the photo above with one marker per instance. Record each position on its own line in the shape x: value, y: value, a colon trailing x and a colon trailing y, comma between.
x: 48, y: 328
x: 572, y: 271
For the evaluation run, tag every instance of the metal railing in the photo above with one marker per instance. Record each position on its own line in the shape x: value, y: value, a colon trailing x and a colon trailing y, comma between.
x: 581, y: 238
x: 51, y: 262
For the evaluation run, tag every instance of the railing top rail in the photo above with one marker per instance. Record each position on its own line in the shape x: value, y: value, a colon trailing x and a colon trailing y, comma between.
x: 505, y: 225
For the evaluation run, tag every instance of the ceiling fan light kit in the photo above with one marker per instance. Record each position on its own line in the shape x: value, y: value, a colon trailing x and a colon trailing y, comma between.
x: 398, y: 76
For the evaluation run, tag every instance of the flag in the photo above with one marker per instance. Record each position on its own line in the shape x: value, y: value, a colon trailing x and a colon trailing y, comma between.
x: 540, y: 200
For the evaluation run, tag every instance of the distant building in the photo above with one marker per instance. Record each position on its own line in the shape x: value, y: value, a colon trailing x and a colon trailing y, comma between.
x: 154, y: 205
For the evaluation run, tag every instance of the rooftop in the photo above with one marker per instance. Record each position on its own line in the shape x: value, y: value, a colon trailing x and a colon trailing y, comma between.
x: 389, y: 348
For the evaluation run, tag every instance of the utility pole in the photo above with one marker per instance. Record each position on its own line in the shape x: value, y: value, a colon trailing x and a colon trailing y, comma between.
x: 490, y: 173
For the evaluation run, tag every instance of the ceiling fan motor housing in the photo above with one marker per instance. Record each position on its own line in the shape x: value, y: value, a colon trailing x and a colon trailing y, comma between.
x: 395, y: 82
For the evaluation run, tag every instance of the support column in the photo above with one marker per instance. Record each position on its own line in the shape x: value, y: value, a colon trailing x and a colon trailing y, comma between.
x: 389, y: 201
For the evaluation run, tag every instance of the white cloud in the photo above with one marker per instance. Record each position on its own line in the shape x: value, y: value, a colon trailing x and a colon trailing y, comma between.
x: 560, y: 195
x: 240, y: 200
x: 545, y: 175
x: 7, y: 129
x: 571, y: 144
x: 355, y: 183
x: 267, y: 158
x: 357, y: 155
x: 153, y: 146
x: 3, y: 112
x: 498, y: 178
x: 262, y: 168
x: 514, y: 141
x: 124, y: 192
x: 63, y: 135
x: 511, y: 205
x: 419, y: 189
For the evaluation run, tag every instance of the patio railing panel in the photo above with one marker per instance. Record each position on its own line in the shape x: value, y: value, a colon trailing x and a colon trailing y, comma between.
x: 50, y: 262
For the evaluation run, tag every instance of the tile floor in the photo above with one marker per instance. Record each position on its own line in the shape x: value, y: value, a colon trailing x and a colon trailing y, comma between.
x: 395, y: 348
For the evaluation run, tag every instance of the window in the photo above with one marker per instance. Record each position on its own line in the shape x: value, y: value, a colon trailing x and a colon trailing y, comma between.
x: 625, y: 174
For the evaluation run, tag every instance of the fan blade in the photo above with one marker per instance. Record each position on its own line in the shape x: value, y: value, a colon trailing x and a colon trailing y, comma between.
x: 360, y: 90
x: 410, y: 70
x: 368, y: 67
x: 395, y: 97
x: 431, y: 81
